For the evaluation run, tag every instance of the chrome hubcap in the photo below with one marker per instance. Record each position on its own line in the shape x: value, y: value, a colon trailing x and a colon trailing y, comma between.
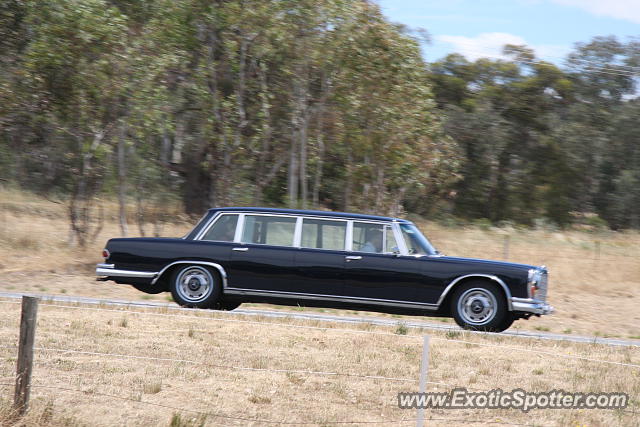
x: 477, y: 306
x: 194, y: 284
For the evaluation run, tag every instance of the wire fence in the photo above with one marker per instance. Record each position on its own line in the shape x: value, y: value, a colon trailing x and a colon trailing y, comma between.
x: 514, y: 246
x: 69, y: 351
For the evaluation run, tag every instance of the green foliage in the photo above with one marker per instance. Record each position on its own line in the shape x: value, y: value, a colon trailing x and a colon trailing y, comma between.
x: 541, y: 142
x: 307, y: 103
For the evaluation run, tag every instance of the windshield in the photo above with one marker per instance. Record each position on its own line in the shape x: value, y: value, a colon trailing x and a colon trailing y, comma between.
x: 417, y: 244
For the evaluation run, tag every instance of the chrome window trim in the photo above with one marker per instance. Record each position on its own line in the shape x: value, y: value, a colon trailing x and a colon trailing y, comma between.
x: 239, y: 228
x: 486, y: 276
x: 297, y: 233
x: 348, y: 247
x: 303, y: 217
x: 348, y: 239
x: 402, y: 245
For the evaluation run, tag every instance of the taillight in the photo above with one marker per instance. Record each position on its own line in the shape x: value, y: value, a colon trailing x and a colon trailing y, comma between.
x: 105, y: 253
x: 534, y: 288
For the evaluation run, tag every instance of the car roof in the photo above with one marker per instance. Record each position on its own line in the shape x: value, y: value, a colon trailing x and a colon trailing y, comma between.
x: 309, y: 212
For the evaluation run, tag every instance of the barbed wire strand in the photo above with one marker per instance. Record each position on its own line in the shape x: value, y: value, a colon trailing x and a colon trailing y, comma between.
x: 547, y: 353
x: 256, y: 420
x: 373, y: 332
x: 215, y: 365
x: 285, y: 315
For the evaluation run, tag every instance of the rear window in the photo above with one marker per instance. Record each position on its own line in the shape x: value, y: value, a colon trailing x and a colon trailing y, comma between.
x: 223, y: 230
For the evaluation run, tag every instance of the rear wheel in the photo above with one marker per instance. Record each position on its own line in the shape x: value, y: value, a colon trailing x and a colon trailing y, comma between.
x: 195, y: 286
x: 481, y: 306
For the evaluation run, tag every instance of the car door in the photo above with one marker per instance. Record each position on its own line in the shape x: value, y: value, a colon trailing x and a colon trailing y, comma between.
x: 321, y: 256
x: 263, y: 261
x: 375, y: 270
x: 215, y: 240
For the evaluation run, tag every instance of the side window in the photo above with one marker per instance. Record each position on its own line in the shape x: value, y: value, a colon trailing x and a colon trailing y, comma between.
x: 223, y: 230
x: 323, y: 234
x: 367, y: 237
x: 269, y: 230
x: 374, y: 238
x: 412, y: 241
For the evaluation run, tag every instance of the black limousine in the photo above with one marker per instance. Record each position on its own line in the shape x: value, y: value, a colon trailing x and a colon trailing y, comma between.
x: 325, y: 259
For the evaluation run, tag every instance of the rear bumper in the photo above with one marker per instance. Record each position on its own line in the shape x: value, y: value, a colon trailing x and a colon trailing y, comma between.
x: 109, y: 270
x: 527, y: 305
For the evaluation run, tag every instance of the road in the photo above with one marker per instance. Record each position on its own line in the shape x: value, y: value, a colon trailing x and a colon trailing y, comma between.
x: 379, y: 321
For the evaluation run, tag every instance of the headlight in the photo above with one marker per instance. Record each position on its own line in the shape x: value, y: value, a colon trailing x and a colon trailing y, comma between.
x: 532, y: 283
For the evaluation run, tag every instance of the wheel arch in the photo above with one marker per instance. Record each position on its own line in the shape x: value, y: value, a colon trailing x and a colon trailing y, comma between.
x: 164, y: 274
x: 445, y: 297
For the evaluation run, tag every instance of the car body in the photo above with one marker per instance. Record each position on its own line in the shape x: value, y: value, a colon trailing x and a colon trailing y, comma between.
x: 327, y: 259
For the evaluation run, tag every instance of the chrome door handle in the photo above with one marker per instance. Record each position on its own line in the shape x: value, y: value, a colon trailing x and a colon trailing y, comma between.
x: 240, y: 249
x: 353, y: 257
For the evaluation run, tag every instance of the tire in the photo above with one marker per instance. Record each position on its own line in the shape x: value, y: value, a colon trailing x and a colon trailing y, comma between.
x: 481, y: 306
x: 226, y: 305
x: 195, y: 286
x: 150, y: 289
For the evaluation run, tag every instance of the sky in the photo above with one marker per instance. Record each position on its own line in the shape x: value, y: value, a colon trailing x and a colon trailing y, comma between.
x: 479, y: 28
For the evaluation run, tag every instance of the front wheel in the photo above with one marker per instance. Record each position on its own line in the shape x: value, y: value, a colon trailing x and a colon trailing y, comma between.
x: 481, y: 306
x: 195, y: 286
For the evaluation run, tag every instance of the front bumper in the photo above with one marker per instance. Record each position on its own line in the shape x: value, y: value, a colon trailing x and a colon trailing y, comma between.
x: 109, y: 270
x: 527, y: 305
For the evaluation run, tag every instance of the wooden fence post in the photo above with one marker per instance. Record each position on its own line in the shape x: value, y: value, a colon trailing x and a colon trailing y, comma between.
x: 424, y: 368
x: 25, y: 353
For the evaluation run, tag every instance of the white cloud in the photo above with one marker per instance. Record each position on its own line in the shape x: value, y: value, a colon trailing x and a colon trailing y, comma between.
x: 628, y: 10
x: 483, y: 45
x: 490, y: 45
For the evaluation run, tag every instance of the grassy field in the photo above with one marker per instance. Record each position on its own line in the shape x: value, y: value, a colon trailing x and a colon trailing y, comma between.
x: 594, y: 286
x: 211, y: 368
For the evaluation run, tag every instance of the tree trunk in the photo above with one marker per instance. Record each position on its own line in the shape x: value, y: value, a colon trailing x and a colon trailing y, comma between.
x: 317, y: 180
x: 122, y: 181
x: 346, y: 204
x: 293, y: 171
x: 260, y: 179
x: 304, y: 188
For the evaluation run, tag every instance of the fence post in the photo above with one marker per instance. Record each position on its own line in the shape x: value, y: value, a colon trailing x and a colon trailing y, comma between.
x: 505, y: 247
x: 424, y: 367
x: 25, y: 353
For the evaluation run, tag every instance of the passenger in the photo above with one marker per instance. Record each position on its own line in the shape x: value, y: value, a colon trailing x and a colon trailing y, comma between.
x: 373, y: 243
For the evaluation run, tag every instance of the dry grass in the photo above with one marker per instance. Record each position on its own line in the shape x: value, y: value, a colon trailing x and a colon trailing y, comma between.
x: 592, y: 296
x: 120, y: 391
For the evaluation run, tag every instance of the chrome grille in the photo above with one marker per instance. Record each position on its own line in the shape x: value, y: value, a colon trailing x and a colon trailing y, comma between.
x: 541, y: 293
